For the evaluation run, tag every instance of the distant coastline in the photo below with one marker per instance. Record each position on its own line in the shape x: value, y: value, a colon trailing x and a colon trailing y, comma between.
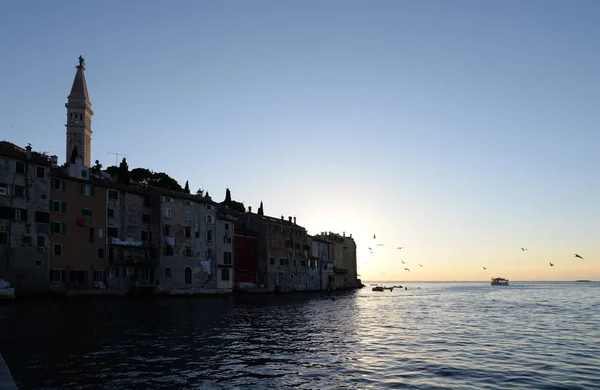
x: 583, y: 281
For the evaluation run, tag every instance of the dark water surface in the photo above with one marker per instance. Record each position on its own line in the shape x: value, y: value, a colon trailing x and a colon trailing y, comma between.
x: 443, y: 335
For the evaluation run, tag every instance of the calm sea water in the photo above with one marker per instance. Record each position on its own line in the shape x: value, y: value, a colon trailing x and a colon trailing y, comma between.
x: 443, y: 335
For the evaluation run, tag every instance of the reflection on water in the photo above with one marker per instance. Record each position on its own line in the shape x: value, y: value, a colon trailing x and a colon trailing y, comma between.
x: 444, y: 335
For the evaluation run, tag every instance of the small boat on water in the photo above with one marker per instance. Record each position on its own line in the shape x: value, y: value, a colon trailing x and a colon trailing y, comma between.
x: 6, y: 292
x: 499, y: 282
x: 381, y: 288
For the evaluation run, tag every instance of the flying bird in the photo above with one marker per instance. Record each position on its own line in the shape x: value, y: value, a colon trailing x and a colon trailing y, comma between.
x: 484, y: 267
x: 523, y: 249
x: 407, y: 269
x: 402, y: 261
x: 576, y: 255
x: 421, y: 265
x: 551, y: 265
x: 374, y: 236
x: 379, y: 244
x: 400, y: 247
x: 370, y: 249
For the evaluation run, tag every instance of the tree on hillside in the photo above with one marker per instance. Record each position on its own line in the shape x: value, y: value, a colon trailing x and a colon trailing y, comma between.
x: 162, y: 180
x: 227, y: 196
x: 232, y: 204
x: 96, y: 169
x: 113, y: 170
x: 186, y: 189
x: 141, y: 175
x: 123, y: 173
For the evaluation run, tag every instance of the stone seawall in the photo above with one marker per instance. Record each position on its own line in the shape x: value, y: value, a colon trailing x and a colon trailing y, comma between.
x: 6, y: 379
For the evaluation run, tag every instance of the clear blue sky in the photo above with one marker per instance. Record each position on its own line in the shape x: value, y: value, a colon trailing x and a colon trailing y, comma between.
x: 462, y: 130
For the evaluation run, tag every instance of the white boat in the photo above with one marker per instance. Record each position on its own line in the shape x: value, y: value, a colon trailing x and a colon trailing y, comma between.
x: 6, y: 292
x: 499, y: 282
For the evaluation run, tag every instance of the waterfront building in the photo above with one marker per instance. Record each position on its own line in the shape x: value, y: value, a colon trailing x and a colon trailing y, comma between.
x: 133, y: 232
x: 24, y: 217
x: 225, y: 233
x: 77, y: 225
x: 349, y: 261
x: 187, y: 242
x: 245, y: 258
x: 321, y: 251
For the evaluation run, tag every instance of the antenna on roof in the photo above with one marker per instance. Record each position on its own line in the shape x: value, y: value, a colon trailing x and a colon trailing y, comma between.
x: 117, y: 157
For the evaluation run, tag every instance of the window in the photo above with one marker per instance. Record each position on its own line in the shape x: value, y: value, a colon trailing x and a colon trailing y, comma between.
x: 209, y: 219
x: 3, y: 163
x: 55, y: 275
x: 168, y: 213
x: 58, y: 206
x: 57, y: 249
x: 112, y: 232
x: 167, y: 230
x: 209, y: 207
x: 88, y: 190
x: 188, y: 215
x: 57, y: 184
x: 58, y: 227
x: 40, y: 172
x: 224, y: 274
x: 100, y: 253
x: 84, y: 173
x: 209, y: 235
x: 20, y: 191
x: 303, y: 263
x: 41, y: 241
x: 187, y: 202
x: 98, y: 276
x: 92, y: 234
x: 168, y: 250
x: 100, y: 233
x: 167, y: 199
x: 3, y: 238
x: 227, y: 258
x: 188, y: 275
x: 272, y: 261
x: 3, y: 189
x: 188, y: 232
x: 209, y: 254
x: 168, y: 273
x: 189, y: 252
x: 146, y: 218
x: 42, y: 217
x: 112, y: 194
x: 282, y: 261
x: 197, y: 234
x: 86, y: 212
x: 226, y: 226
x: 110, y: 212
x: 146, y: 235
x: 19, y: 168
x: 19, y: 215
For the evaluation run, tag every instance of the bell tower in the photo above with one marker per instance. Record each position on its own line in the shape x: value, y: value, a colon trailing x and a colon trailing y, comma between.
x: 79, y: 119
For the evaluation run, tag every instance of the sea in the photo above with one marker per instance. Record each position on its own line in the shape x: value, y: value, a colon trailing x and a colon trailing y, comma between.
x: 463, y: 335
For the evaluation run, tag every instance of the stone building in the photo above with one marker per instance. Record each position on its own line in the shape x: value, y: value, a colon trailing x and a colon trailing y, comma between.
x: 282, y: 250
x: 225, y: 233
x: 186, y: 243
x: 245, y: 258
x: 322, y: 252
x: 349, y: 261
x: 79, y: 119
x: 133, y: 234
x: 24, y: 218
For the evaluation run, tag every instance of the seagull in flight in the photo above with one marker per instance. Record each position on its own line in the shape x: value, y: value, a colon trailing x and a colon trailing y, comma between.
x: 407, y: 269
x: 523, y: 249
x: 421, y: 265
x: 551, y: 265
x: 484, y: 267
x: 400, y: 247
x: 576, y: 255
x: 379, y: 244
x: 374, y: 236
x: 402, y: 261
x: 370, y: 249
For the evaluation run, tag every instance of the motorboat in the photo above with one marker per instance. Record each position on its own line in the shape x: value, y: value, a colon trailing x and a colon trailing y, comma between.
x: 6, y: 292
x: 499, y: 282
x: 382, y: 288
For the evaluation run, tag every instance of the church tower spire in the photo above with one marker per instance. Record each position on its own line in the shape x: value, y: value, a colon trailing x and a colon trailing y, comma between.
x: 79, y: 119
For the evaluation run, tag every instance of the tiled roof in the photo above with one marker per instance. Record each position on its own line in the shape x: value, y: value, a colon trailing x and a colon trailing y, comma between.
x: 9, y: 149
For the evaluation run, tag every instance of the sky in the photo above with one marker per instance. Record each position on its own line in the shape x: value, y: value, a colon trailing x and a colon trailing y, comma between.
x: 459, y: 130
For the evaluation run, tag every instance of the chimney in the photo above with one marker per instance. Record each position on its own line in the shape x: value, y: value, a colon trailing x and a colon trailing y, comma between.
x: 54, y: 161
x: 282, y: 218
x: 28, y: 150
x: 350, y: 235
x: 290, y: 219
x: 344, y: 233
x: 294, y: 220
x: 250, y: 209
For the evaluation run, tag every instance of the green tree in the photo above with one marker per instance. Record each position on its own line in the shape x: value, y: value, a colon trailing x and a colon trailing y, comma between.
x: 141, y: 175
x: 227, y: 196
x: 96, y: 169
x: 186, y: 189
x: 123, y: 176
x: 113, y: 170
